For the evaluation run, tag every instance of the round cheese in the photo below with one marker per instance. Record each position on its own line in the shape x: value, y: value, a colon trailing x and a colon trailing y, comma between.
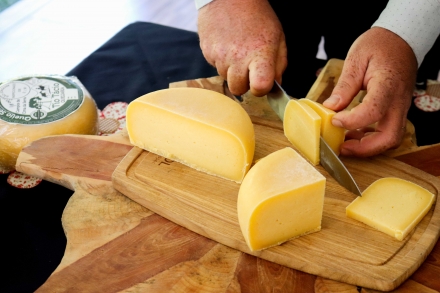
x: 32, y: 107
x: 200, y: 128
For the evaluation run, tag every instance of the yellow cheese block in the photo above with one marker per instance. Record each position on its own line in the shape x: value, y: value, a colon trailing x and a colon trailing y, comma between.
x: 392, y: 205
x: 33, y: 107
x: 200, y: 128
x: 281, y: 197
x: 334, y: 136
x: 302, y: 127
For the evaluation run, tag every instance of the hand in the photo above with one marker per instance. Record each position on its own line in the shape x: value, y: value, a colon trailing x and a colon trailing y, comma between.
x: 382, y: 63
x: 244, y: 40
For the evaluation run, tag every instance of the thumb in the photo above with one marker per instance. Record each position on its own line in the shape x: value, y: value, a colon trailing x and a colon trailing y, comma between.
x: 348, y: 86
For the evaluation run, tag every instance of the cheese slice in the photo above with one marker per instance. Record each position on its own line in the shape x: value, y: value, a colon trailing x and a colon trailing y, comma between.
x: 32, y: 107
x: 334, y: 136
x: 302, y: 127
x: 392, y: 205
x: 281, y: 197
x: 197, y: 127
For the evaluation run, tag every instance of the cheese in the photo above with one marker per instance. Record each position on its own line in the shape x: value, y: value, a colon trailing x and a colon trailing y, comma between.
x: 302, y: 127
x: 392, y: 205
x: 197, y: 127
x: 334, y: 136
x: 32, y: 107
x: 281, y: 197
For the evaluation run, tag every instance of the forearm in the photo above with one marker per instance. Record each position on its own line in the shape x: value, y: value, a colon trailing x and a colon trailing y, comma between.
x: 415, y: 21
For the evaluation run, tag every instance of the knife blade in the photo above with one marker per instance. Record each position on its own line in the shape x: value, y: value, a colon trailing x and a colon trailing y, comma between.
x: 278, y: 100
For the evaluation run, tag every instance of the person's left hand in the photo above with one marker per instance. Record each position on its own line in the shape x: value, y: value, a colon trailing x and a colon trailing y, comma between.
x: 382, y: 63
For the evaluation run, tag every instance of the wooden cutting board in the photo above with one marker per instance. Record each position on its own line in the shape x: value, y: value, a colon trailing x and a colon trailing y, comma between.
x: 344, y: 250
x: 117, y: 245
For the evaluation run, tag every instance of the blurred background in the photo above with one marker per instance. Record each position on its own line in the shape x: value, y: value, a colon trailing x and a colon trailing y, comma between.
x: 53, y: 36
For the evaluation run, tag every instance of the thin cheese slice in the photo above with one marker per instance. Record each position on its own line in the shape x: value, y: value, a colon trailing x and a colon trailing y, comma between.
x: 392, y: 205
x: 334, y: 136
x: 302, y: 127
x: 200, y: 128
x: 281, y: 198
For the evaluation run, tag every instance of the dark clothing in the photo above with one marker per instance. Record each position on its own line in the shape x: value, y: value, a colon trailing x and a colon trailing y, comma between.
x: 304, y: 27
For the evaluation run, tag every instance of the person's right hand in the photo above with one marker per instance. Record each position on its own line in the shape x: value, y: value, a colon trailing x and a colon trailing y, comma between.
x: 245, y: 41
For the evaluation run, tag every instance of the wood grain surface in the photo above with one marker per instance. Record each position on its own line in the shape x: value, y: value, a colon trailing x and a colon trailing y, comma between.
x: 120, y: 246
x: 344, y: 250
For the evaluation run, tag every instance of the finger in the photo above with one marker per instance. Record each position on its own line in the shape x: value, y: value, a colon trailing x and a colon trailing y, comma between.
x: 238, y: 79
x: 358, y: 133
x: 373, y: 108
x: 349, y: 84
x: 262, y: 72
x: 388, y: 134
x: 372, y: 143
x: 281, y: 64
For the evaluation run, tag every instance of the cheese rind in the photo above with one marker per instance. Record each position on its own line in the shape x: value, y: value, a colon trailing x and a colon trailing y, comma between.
x: 302, y: 127
x: 32, y: 107
x: 392, y: 205
x: 334, y: 136
x: 281, y: 198
x: 200, y: 128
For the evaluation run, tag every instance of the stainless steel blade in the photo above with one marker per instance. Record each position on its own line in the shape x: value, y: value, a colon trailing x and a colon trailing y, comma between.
x: 278, y: 100
x: 334, y: 166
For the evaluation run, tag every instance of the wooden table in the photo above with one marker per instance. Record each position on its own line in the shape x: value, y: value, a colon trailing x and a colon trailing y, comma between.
x: 116, y: 245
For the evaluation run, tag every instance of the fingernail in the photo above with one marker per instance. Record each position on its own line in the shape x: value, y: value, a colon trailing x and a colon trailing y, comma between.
x: 331, y: 101
x: 336, y: 122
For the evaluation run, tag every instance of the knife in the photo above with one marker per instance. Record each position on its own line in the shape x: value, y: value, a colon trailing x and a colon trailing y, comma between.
x: 278, y: 100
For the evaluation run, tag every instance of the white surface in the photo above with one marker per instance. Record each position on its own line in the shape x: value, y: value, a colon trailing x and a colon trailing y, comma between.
x: 53, y: 36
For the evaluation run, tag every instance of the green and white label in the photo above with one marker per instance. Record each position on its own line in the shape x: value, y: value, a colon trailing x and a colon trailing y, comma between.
x: 39, y: 99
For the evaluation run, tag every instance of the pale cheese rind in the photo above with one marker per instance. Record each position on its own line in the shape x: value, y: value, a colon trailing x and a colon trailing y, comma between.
x: 333, y: 135
x: 392, y: 205
x: 302, y: 127
x: 200, y: 128
x: 281, y: 198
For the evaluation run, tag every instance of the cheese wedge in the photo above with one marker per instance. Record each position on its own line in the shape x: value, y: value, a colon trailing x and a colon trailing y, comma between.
x: 302, y: 127
x: 392, y: 205
x: 32, y: 107
x: 334, y: 136
x: 281, y: 197
x: 200, y: 128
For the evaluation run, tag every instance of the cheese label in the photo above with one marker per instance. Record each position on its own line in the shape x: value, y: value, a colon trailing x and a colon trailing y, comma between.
x: 38, y: 99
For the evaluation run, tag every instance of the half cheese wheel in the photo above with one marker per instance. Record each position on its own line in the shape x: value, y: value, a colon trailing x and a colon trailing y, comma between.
x: 197, y: 127
x: 334, y: 136
x: 392, y: 205
x: 302, y: 127
x: 281, y: 197
x: 32, y: 107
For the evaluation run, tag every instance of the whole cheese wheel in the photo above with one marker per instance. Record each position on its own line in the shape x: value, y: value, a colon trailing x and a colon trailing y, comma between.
x: 392, y: 205
x: 32, y: 107
x: 281, y: 197
x: 197, y: 127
